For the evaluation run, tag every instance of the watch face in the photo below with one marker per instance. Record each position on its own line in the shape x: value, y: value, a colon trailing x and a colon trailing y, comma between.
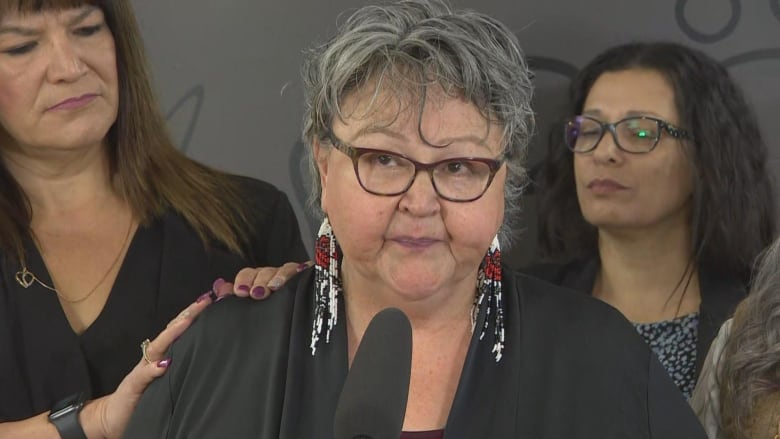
x: 67, y: 405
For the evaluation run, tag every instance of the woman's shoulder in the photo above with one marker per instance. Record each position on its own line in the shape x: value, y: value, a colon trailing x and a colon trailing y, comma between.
x: 243, y: 325
x: 260, y: 194
x: 572, y: 316
x: 274, y: 236
x: 577, y: 274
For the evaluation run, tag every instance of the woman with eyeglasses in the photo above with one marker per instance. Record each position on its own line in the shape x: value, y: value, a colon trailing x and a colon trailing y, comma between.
x: 655, y: 197
x: 417, y: 123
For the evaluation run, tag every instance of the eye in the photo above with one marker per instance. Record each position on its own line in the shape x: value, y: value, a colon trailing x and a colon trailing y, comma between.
x: 589, y: 132
x: 86, y: 31
x: 642, y: 131
x: 20, y: 50
x: 383, y: 160
x: 460, y: 167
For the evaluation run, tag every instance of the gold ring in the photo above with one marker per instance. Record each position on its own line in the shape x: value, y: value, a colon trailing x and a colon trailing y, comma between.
x: 144, y: 345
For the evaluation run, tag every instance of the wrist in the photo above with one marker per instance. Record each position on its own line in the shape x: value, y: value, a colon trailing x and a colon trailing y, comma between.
x: 91, y: 419
x: 65, y: 416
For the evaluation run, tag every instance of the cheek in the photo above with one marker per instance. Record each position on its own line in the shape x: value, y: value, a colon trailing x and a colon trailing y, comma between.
x: 474, y: 225
x: 579, y: 174
x: 358, y: 218
x: 13, y: 102
x: 677, y: 179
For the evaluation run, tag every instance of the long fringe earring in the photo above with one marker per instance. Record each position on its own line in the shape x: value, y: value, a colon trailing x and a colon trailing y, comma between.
x: 327, y: 281
x: 489, y: 291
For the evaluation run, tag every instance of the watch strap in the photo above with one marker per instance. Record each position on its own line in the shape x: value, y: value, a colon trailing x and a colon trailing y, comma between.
x: 69, y: 426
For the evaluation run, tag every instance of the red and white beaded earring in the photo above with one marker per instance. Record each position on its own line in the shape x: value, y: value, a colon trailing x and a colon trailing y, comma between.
x: 327, y: 281
x: 489, y: 293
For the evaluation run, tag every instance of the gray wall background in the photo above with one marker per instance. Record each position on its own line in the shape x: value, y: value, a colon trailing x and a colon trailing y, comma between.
x: 227, y: 71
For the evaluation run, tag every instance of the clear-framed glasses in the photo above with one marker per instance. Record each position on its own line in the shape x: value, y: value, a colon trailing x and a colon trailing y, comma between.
x: 635, y: 135
x: 386, y: 173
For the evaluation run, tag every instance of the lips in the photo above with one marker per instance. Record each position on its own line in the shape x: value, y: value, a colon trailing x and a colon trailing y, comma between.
x: 414, y: 243
x: 605, y: 185
x: 74, y: 102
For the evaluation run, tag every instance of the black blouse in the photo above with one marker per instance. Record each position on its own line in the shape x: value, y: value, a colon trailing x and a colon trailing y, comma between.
x: 573, y: 367
x: 721, y: 292
x: 166, y: 268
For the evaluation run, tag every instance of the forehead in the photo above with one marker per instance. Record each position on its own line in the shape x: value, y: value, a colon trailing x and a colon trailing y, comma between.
x: 24, y: 7
x: 633, y: 90
x: 437, y: 114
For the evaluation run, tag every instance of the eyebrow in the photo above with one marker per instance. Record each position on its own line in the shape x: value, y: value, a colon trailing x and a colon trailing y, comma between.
x: 28, y: 32
x: 372, y: 129
x: 631, y: 113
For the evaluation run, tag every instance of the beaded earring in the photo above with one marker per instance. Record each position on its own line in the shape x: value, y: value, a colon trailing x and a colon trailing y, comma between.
x: 327, y: 281
x: 489, y: 291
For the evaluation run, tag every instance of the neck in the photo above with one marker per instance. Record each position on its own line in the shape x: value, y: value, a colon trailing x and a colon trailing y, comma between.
x: 648, y: 274
x: 436, y: 315
x: 63, y: 183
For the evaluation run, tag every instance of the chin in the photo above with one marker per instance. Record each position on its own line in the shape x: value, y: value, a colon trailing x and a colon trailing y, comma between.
x: 416, y: 284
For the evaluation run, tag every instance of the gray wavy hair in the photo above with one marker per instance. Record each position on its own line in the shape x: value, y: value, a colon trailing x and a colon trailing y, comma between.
x: 751, y: 356
x: 409, y: 46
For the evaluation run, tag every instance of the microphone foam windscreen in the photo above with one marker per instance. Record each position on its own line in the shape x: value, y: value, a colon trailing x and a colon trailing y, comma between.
x: 373, y: 400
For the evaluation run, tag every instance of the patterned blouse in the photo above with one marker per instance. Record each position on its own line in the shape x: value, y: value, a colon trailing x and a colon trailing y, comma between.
x: 674, y: 343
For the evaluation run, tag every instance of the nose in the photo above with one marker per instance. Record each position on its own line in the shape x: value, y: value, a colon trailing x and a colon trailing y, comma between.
x: 606, y: 150
x: 421, y: 199
x: 65, y: 63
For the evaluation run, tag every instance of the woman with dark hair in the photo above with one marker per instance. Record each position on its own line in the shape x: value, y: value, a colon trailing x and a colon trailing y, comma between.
x: 656, y: 198
x: 738, y: 393
x: 107, y: 231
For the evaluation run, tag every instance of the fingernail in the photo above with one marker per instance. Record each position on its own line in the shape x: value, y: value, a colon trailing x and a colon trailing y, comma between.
x: 244, y: 288
x: 203, y: 297
x: 258, y: 292
x: 183, y: 315
x: 275, y: 283
x: 164, y: 363
x: 302, y: 267
x: 217, y: 283
x: 219, y: 298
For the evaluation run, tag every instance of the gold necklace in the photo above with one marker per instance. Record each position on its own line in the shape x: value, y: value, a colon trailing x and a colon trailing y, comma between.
x: 26, y: 278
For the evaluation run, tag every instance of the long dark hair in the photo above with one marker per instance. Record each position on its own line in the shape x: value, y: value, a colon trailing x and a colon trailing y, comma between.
x: 147, y: 169
x: 733, y: 211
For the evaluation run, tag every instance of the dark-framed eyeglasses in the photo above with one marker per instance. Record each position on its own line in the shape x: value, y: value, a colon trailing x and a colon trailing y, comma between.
x: 635, y: 135
x: 385, y: 173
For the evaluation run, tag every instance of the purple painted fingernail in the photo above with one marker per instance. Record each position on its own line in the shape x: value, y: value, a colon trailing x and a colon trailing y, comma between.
x: 302, y: 267
x: 203, y: 297
x: 164, y: 363
x: 217, y: 283
x: 258, y: 292
x: 244, y: 288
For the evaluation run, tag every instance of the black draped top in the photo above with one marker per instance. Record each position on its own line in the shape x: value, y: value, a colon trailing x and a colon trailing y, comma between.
x: 166, y: 268
x: 572, y: 367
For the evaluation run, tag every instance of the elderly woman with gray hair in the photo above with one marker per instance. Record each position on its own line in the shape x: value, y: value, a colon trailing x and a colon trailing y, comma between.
x: 738, y: 393
x: 418, y: 119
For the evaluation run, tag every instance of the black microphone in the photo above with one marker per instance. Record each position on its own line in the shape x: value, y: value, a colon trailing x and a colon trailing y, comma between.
x: 373, y: 400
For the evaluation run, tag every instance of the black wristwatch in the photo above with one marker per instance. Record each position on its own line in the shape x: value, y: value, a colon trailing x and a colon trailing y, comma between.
x: 65, y: 416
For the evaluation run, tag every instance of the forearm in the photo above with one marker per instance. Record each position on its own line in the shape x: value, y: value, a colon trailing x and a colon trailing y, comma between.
x: 39, y: 427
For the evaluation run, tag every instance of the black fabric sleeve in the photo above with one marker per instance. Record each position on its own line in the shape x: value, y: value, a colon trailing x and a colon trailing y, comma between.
x: 153, y: 414
x: 274, y: 235
x: 669, y: 414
